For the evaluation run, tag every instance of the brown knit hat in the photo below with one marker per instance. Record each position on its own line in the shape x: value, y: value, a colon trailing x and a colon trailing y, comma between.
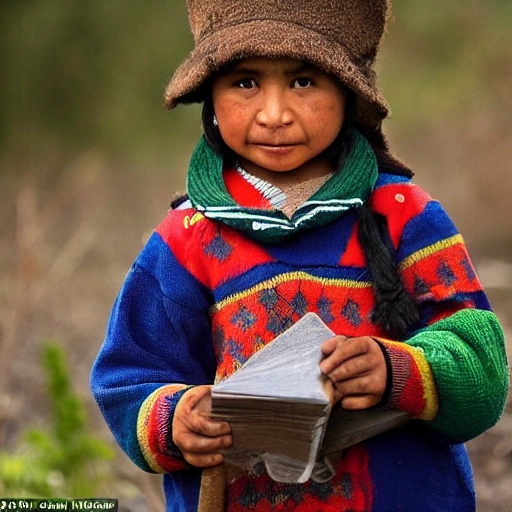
x: 341, y: 37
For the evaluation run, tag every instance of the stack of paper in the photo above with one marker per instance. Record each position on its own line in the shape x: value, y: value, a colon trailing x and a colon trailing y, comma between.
x: 278, y: 403
x: 279, y: 407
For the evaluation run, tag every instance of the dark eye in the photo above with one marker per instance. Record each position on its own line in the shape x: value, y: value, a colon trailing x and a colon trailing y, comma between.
x: 301, y: 83
x: 246, y: 83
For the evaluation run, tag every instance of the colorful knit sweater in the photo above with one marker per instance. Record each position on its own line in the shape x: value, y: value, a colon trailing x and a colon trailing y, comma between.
x: 206, y: 293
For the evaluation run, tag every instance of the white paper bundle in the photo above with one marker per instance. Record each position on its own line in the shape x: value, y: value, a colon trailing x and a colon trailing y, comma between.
x: 278, y: 403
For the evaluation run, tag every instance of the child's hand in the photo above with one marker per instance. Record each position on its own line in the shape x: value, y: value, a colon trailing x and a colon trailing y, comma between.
x: 357, y: 370
x: 198, y: 436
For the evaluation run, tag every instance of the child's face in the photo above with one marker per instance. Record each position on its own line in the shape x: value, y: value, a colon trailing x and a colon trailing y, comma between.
x: 277, y: 115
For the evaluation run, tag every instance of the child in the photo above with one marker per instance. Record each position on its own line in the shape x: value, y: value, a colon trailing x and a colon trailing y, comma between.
x: 295, y: 204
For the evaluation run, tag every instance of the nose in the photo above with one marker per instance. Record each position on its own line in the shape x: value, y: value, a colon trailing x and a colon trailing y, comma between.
x: 274, y: 110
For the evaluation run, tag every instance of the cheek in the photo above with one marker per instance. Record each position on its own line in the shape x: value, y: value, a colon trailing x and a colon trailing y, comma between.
x: 327, y: 118
x: 335, y: 111
x: 232, y: 122
x: 328, y: 107
x: 230, y: 135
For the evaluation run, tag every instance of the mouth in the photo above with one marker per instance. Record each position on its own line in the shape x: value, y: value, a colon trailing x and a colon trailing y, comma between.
x: 275, y: 147
x: 274, y: 144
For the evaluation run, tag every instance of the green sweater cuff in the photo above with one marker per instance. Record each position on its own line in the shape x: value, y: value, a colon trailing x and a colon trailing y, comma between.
x: 466, y: 353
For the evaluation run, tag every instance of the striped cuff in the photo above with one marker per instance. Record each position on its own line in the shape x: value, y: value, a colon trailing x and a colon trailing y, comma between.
x: 413, y: 388
x: 154, y: 429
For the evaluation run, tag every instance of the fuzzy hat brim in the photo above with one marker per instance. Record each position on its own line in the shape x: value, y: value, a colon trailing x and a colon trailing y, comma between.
x: 275, y: 39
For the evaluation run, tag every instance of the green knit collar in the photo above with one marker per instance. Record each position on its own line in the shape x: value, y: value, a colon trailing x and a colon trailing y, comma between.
x: 348, y: 188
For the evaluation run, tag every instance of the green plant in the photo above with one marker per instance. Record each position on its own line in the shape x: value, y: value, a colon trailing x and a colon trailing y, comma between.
x: 67, y: 460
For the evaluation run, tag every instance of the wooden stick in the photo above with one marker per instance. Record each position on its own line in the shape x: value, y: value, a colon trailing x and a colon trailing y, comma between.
x: 212, y: 497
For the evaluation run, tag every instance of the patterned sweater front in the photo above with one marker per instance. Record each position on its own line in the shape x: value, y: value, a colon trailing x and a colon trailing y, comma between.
x: 202, y: 297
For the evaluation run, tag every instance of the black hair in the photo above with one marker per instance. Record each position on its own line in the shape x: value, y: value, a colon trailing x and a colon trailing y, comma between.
x: 395, y: 310
x: 212, y: 133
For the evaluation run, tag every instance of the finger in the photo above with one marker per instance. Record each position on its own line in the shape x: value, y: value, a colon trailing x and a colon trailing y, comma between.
x: 206, y: 426
x: 356, y: 386
x: 371, y: 384
x: 193, y: 410
x: 194, y: 443
x: 351, y: 368
x: 204, y: 461
x: 346, y: 348
x: 355, y: 403
x: 196, y: 398
x: 329, y: 345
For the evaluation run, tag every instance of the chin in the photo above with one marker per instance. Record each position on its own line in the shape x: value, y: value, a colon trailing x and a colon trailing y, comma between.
x: 281, y: 168
x: 281, y: 165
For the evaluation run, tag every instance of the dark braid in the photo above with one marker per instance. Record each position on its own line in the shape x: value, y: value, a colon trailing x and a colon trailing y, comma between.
x: 395, y: 310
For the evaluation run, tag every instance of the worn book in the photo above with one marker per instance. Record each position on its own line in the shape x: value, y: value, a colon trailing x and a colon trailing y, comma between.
x: 280, y: 407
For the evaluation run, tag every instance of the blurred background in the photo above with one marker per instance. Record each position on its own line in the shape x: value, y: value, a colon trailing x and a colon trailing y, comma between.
x: 89, y: 160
